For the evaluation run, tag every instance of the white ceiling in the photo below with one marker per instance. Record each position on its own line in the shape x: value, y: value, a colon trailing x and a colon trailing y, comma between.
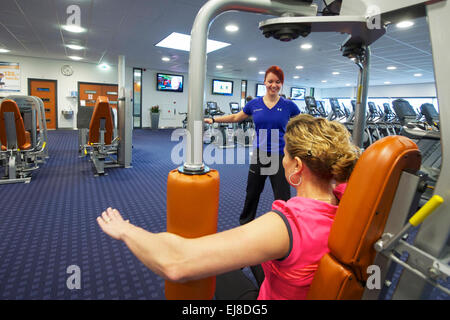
x: 133, y: 27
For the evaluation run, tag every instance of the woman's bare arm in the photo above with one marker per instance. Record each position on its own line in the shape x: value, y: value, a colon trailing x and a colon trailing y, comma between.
x: 236, y: 117
x: 179, y: 259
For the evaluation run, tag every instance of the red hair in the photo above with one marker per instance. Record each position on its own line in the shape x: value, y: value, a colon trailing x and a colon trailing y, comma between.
x: 276, y: 71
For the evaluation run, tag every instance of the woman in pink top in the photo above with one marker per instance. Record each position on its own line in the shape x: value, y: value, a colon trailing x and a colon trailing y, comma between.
x: 288, y: 241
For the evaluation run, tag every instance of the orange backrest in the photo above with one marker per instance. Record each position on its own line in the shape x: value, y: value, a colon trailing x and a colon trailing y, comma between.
x: 23, y: 137
x: 102, y: 110
x: 361, y: 217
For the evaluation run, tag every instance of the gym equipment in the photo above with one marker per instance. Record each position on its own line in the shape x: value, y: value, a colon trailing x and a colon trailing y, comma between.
x: 431, y: 115
x: 22, y: 146
x: 107, y: 146
x: 361, y: 217
x: 101, y: 146
x: 336, y: 113
x: 347, y: 17
x: 244, y: 131
x: 313, y: 109
x: 191, y: 222
x: 427, y: 138
x: 33, y: 114
x: 84, y: 116
x: 321, y: 107
x: 220, y: 134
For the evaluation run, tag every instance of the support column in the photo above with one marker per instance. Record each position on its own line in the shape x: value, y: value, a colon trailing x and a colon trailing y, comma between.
x: 125, y: 119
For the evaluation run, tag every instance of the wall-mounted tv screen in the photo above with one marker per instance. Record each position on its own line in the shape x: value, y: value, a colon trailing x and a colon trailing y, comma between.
x: 169, y: 82
x: 222, y: 87
x: 298, y: 93
x: 260, y: 90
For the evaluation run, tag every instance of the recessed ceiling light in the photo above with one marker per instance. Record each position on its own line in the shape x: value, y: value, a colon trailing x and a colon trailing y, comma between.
x: 261, y: 72
x: 252, y: 59
x: 296, y: 77
x: 219, y: 66
x: 324, y: 81
x: 306, y: 46
x: 74, y: 47
x: 4, y: 50
x: 405, y: 24
x: 336, y: 73
x: 347, y: 84
x: 391, y: 68
x: 104, y: 66
x: 418, y: 74
x: 73, y: 28
x: 166, y: 59
x: 75, y: 58
x: 387, y: 82
x: 181, y: 41
x: 231, y: 28
x: 299, y: 67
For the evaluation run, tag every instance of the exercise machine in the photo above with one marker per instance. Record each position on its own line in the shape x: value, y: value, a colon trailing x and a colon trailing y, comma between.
x: 101, y: 146
x: 107, y: 146
x: 23, y: 133
x: 221, y: 134
x: 244, y: 131
x: 313, y: 109
x: 390, y: 207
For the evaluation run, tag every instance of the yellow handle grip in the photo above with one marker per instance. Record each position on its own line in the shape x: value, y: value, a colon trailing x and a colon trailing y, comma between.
x: 426, y: 210
x: 43, y: 146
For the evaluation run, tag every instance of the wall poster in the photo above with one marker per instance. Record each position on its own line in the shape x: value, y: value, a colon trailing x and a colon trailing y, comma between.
x: 9, y: 76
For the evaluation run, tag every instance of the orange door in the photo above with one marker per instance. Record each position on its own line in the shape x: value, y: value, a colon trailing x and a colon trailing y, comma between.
x: 110, y: 91
x: 89, y: 93
x: 46, y: 90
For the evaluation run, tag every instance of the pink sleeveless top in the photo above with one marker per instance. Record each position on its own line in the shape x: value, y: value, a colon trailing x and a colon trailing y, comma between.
x: 309, y: 222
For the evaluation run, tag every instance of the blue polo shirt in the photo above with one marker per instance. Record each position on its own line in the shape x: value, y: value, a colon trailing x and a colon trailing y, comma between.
x: 270, y: 124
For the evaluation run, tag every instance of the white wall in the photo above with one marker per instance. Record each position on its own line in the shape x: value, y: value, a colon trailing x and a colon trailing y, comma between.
x: 51, y: 70
x: 175, y: 102
x: 390, y: 91
x: 171, y: 103
x: 286, y: 90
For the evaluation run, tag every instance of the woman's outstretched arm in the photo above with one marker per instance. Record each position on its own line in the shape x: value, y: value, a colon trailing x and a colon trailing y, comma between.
x: 180, y: 259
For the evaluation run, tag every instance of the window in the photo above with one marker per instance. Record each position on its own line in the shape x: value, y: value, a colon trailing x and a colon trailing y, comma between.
x: 137, y: 97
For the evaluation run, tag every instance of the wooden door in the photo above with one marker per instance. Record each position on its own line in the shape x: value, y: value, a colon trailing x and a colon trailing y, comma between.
x: 110, y: 91
x: 46, y: 90
x: 88, y: 93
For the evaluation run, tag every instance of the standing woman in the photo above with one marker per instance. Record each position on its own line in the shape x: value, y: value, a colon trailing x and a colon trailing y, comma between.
x: 271, y: 114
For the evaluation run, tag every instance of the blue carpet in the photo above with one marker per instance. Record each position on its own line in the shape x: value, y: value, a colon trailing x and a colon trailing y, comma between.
x: 50, y: 224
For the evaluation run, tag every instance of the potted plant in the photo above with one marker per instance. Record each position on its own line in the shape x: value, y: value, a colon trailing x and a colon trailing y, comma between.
x: 154, y: 114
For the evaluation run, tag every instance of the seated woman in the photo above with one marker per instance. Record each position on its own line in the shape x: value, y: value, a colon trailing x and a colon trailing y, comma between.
x: 288, y: 241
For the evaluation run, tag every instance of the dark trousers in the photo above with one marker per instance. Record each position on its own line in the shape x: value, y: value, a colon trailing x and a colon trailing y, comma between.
x: 257, y: 174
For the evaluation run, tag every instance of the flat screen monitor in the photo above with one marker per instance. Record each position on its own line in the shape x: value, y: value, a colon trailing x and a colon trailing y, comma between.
x: 234, y: 107
x: 222, y: 87
x: 211, y: 106
x: 260, y: 90
x: 298, y: 93
x: 169, y: 82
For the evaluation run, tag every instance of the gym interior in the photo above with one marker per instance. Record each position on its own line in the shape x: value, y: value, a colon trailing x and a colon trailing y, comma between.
x: 101, y: 100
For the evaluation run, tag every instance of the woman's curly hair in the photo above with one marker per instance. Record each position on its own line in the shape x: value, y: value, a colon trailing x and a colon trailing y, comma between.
x: 325, y: 146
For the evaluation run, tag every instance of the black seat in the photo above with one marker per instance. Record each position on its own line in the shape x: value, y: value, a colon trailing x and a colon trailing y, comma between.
x: 430, y: 113
x: 405, y: 112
